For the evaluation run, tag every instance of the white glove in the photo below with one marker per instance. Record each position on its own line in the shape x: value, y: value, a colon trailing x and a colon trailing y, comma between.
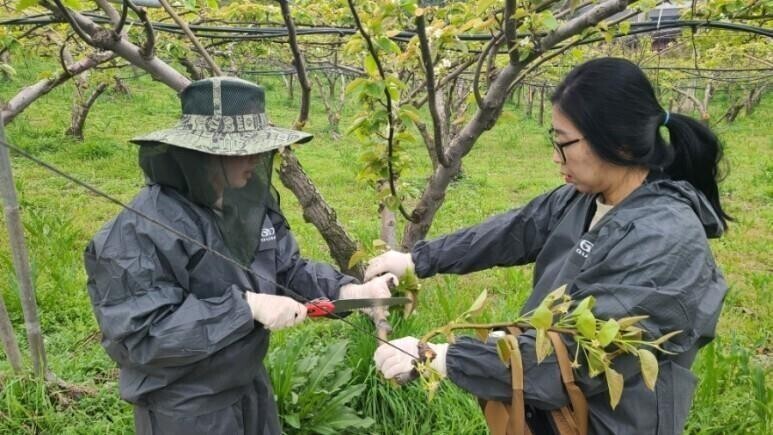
x: 275, y: 312
x: 392, y: 362
x: 389, y: 262
x: 375, y: 288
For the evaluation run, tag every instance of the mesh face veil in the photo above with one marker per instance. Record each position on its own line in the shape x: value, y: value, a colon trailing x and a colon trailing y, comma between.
x: 238, y: 198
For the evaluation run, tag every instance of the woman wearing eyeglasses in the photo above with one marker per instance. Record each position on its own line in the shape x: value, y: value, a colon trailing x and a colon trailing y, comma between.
x: 630, y: 227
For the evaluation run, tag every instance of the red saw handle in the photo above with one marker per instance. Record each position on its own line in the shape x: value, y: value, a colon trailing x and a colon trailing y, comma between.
x: 319, y: 307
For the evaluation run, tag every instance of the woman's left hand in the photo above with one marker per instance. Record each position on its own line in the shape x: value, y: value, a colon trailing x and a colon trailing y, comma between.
x: 397, y: 360
x: 378, y: 287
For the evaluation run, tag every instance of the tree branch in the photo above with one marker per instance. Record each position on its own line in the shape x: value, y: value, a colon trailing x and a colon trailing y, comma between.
x: 107, y: 40
x: 429, y: 71
x: 187, y: 30
x: 487, y: 115
x: 299, y: 65
x: 28, y: 95
x: 389, y: 108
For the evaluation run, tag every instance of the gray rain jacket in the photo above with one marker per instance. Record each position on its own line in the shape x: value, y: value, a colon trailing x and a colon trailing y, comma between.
x: 648, y: 256
x: 174, y: 318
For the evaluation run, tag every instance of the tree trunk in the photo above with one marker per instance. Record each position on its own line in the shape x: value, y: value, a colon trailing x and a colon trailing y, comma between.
x: 542, y: 105
x: 317, y: 212
x: 529, y: 101
x: 81, y: 111
x: 21, y: 261
x: 429, y: 142
x: 388, y: 232
x: 120, y: 86
x: 755, y: 96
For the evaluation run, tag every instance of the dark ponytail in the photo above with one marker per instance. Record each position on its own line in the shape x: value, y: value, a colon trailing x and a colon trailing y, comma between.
x: 613, y: 104
x: 697, y: 155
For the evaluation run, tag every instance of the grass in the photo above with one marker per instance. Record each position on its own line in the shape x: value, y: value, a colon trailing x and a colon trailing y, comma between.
x: 509, y: 165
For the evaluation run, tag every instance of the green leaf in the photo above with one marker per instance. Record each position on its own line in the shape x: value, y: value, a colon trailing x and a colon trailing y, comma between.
x: 477, y: 306
x: 586, y: 324
x: 374, y: 89
x: 556, y: 294
x: 542, y: 317
x: 625, y: 27
x: 357, y: 257
x: 584, y: 305
x: 543, y: 345
x: 608, y: 332
x: 387, y: 45
x: 378, y: 244
x: 75, y: 5
x: 356, y: 86
x: 665, y: 338
x: 482, y: 334
x: 370, y: 66
x: 347, y: 419
x: 596, y: 364
x: 482, y: 5
x: 649, y: 368
x: 549, y: 21
x: 292, y: 420
x: 407, y: 112
x: 409, y: 6
x: 625, y: 322
x: 615, y: 386
x: 503, y: 350
x: 327, y: 364
x: 24, y: 4
x: 409, y: 282
x: 524, y: 53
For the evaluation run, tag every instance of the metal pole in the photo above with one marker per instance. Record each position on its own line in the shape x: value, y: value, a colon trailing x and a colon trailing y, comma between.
x: 21, y: 260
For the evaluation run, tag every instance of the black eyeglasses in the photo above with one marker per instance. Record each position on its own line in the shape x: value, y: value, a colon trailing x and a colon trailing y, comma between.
x: 559, y: 146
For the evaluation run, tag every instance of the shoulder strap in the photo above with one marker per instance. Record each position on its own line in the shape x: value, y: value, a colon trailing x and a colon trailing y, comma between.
x: 579, y: 404
x: 517, y: 421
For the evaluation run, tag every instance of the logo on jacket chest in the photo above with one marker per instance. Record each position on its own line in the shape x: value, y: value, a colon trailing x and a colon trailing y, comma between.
x: 267, y: 235
x: 584, y: 248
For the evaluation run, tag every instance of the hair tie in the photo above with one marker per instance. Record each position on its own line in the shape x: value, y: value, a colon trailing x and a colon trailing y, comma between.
x: 668, y: 116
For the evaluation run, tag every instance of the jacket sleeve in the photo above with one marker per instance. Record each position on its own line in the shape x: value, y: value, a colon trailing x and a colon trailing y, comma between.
x: 672, y: 279
x: 308, y: 278
x: 511, y: 238
x: 146, y: 316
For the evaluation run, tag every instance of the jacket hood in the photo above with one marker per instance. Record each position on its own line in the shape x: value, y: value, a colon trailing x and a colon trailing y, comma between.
x: 684, y: 192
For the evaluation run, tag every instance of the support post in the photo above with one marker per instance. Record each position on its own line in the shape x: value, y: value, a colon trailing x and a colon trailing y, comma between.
x: 21, y: 260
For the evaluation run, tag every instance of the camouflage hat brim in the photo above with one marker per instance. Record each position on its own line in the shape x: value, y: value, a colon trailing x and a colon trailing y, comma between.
x: 225, y: 135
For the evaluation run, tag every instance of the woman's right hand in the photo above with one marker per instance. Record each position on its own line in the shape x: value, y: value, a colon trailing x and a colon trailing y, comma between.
x: 275, y: 312
x: 389, y: 262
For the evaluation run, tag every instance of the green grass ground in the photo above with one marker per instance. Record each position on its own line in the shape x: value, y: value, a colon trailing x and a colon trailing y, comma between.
x: 508, y: 166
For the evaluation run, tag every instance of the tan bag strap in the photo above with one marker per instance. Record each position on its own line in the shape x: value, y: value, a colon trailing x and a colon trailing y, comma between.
x: 497, y: 417
x: 504, y: 421
x: 517, y: 422
x: 579, y: 404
